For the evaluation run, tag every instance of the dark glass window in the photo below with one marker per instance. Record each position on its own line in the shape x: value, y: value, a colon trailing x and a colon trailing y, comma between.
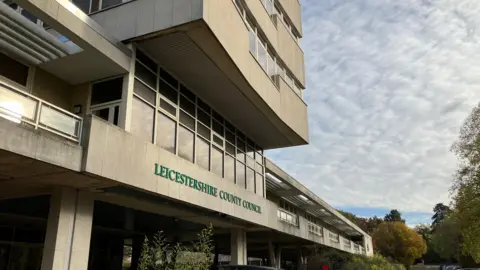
x: 184, y: 90
x: 147, y: 76
x: 168, y: 78
x: 13, y: 70
x: 107, y: 91
x: 144, y: 92
x: 145, y: 59
x: 187, y: 105
x: 168, y: 92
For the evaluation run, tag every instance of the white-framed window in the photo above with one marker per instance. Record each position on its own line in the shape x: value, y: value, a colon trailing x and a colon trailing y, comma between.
x: 90, y: 6
x: 173, y: 117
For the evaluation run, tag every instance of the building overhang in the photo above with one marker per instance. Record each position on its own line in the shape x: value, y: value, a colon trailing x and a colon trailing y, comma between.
x: 195, y: 56
x: 71, y: 45
x: 286, y: 187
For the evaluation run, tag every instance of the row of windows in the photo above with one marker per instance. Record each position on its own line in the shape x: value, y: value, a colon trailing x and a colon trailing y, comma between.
x: 334, y: 237
x: 273, y: 8
x: 90, y: 6
x: 315, y: 229
x: 260, y: 49
x: 288, y: 217
x: 167, y: 113
x: 290, y: 208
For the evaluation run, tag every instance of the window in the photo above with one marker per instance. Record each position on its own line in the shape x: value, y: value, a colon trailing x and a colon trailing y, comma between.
x: 240, y: 177
x: 250, y: 180
x: 229, y: 168
x: 109, y: 3
x: 144, y: 92
x: 187, y: 126
x: 217, y: 161
x: 259, y: 184
x: 166, y: 130
x: 262, y: 54
x: 13, y: 70
x: 106, y: 91
x: 185, y: 143
x: 202, y: 153
x: 269, y: 6
x: 142, y: 119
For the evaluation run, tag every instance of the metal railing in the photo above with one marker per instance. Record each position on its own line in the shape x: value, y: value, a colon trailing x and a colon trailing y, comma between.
x: 20, y: 107
x: 315, y: 229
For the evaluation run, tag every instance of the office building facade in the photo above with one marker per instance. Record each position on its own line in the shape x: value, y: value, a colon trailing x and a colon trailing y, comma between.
x: 121, y: 118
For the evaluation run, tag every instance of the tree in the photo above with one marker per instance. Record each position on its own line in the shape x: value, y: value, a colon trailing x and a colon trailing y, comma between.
x: 467, y: 185
x: 368, y: 225
x: 446, y: 239
x: 395, y: 240
x: 394, y: 216
x: 440, y: 212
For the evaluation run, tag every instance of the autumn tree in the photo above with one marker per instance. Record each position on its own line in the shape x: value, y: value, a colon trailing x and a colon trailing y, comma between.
x: 394, y: 216
x: 395, y: 240
x: 467, y: 185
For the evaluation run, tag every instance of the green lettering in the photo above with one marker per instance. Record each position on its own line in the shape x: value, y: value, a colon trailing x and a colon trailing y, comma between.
x: 171, y: 175
x: 183, y: 179
x: 177, y: 177
x: 157, y: 172
x: 214, y: 191
x: 204, y: 188
x: 163, y: 171
x: 192, y: 183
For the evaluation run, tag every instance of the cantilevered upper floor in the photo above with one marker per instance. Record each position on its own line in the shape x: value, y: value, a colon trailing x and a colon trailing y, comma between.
x: 241, y: 57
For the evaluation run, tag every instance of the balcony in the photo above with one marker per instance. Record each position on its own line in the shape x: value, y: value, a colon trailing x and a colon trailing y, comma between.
x: 347, y: 244
x: 25, y: 109
x: 315, y: 229
x: 285, y: 216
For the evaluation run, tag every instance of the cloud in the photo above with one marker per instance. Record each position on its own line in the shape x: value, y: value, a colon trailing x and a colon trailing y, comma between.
x: 389, y: 84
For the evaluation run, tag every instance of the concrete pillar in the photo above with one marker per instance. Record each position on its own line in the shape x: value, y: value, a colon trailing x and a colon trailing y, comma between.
x: 125, y: 115
x: 69, y: 228
x: 238, y: 247
x: 278, y: 257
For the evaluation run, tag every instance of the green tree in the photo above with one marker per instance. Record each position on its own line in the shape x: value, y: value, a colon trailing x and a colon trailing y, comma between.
x: 446, y: 239
x: 395, y: 240
x: 440, y: 212
x: 467, y: 185
x: 394, y: 216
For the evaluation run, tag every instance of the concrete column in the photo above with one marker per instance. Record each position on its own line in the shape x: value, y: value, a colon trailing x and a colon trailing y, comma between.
x: 238, y: 247
x: 125, y: 115
x: 69, y: 228
x: 278, y: 257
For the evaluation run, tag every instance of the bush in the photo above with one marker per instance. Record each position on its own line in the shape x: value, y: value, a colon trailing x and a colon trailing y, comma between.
x: 161, y: 255
x: 377, y: 262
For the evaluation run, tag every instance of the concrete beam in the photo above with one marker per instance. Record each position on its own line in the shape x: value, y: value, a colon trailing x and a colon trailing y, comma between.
x: 288, y: 193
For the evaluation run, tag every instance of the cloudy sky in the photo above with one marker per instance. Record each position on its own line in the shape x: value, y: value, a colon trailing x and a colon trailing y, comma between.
x: 389, y: 84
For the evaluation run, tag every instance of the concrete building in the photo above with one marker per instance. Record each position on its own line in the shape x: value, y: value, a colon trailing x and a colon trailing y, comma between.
x: 120, y: 118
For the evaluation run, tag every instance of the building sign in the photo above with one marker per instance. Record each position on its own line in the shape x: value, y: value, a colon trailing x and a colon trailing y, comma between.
x: 200, y: 186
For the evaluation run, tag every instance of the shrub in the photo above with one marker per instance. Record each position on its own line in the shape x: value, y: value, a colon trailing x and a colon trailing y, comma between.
x: 377, y: 262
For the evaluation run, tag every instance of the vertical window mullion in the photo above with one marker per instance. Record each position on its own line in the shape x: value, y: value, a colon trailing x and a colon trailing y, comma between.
x: 157, y: 106
x: 195, y: 139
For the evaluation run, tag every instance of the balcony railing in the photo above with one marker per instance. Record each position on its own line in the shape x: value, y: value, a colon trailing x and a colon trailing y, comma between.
x: 356, y: 248
x: 315, y: 229
x: 287, y: 217
x: 20, y: 107
x: 347, y: 244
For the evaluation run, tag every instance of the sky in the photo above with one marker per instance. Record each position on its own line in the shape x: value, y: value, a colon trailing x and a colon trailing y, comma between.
x: 389, y: 84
